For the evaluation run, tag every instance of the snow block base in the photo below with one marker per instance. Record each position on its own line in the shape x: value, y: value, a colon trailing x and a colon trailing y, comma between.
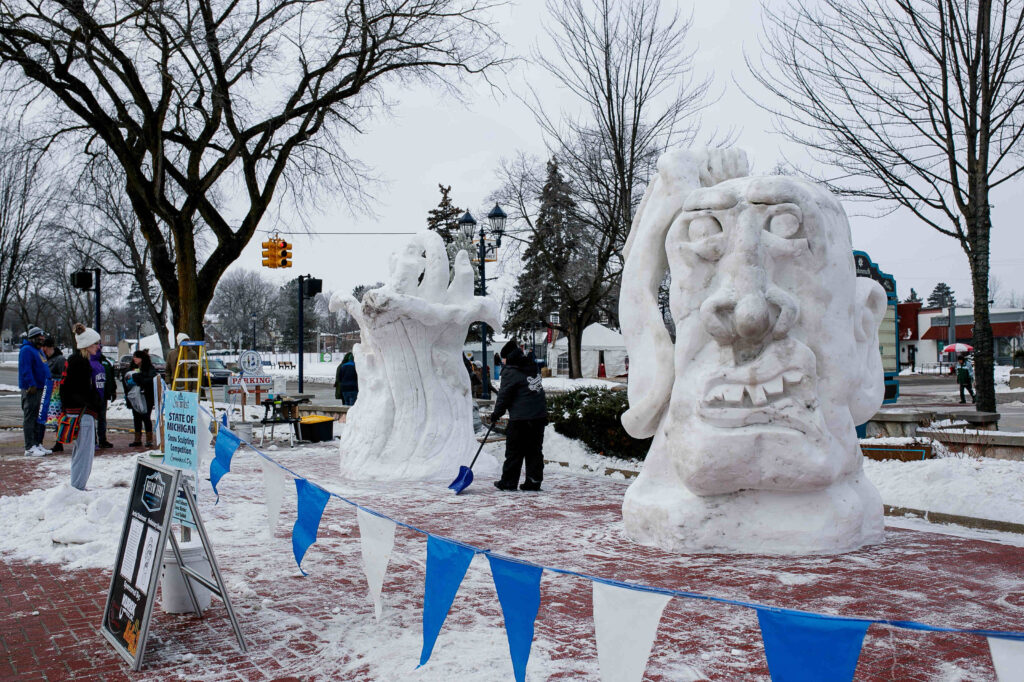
x: 843, y: 517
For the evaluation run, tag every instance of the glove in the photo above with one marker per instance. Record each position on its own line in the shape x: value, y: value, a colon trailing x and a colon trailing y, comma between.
x: 31, y: 390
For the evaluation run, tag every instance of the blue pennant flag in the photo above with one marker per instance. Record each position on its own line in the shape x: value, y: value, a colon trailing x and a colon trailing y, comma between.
x: 810, y: 648
x: 224, y: 450
x: 518, y: 587
x: 312, y: 502
x: 446, y: 567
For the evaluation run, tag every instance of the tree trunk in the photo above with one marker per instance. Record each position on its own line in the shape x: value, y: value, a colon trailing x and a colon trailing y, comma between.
x: 984, y: 350
x: 574, y: 340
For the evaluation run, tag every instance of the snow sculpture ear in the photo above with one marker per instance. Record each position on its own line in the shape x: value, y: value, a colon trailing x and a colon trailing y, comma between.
x: 870, y: 303
x: 651, y: 372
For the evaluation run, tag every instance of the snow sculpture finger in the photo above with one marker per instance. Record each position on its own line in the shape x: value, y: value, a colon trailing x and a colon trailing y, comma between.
x: 775, y: 361
x: 413, y: 419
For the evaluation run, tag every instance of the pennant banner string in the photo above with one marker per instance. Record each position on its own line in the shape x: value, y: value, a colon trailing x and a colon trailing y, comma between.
x: 904, y: 624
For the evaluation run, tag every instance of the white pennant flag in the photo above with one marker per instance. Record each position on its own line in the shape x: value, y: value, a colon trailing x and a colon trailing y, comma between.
x: 377, y: 537
x: 273, y: 493
x: 1007, y: 659
x: 625, y: 622
x: 205, y: 438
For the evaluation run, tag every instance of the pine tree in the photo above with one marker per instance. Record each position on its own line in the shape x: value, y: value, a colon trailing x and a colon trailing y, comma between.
x: 445, y: 218
x: 557, y: 267
x: 913, y: 298
x: 941, y: 296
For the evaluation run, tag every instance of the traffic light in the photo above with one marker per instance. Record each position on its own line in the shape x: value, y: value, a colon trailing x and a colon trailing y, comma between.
x: 312, y: 286
x: 270, y: 253
x: 284, y: 254
x: 82, y: 280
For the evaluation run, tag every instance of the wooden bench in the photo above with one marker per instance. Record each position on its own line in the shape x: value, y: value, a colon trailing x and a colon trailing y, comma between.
x: 285, y: 364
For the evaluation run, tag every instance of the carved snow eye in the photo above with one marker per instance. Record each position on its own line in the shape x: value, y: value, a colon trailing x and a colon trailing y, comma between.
x: 785, y: 225
x: 703, y: 227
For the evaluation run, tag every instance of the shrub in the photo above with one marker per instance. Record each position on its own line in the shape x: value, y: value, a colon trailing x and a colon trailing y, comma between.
x: 592, y: 415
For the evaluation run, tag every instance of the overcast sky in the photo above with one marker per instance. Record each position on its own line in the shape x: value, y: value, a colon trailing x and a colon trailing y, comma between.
x: 427, y: 140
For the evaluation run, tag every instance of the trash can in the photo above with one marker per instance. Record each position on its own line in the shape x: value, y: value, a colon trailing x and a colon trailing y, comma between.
x: 316, y: 428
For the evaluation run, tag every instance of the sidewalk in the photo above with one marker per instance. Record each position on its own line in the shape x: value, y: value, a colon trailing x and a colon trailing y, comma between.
x: 322, y: 627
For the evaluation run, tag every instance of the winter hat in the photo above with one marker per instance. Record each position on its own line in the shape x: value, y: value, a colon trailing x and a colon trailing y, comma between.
x: 84, y: 336
x: 182, y: 336
x: 509, y: 348
x: 35, y: 331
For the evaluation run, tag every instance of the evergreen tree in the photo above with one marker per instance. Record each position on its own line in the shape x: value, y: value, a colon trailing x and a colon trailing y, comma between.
x: 913, y: 298
x: 941, y: 296
x: 445, y: 218
x: 557, y: 270
x: 285, y: 311
x: 360, y: 290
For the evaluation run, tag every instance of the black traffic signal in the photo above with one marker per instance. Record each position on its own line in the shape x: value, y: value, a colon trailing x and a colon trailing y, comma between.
x: 82, y: 280
x: 311, y: 287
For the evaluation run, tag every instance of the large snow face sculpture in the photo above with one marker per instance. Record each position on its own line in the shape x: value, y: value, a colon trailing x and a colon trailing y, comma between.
x: 776, y: 359
x: 414, y: 416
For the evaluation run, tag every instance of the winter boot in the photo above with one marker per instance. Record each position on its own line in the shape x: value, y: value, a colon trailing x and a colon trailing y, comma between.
x: 502, y: 486
x: 149, y: 439
x: 138, y: 440
x: 530, y: 485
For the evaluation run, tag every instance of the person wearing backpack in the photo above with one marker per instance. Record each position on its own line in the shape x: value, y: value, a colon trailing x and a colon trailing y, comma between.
x: 141, y: 403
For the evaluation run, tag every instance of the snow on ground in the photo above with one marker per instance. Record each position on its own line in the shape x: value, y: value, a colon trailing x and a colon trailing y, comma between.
x: 8, y: 387
x: 566, y: 384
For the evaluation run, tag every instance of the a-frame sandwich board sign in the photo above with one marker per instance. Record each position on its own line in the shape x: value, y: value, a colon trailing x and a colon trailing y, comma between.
x: 144, y: 535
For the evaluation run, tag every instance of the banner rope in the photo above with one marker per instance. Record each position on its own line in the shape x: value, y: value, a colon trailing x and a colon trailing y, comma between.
x: 903, y: 624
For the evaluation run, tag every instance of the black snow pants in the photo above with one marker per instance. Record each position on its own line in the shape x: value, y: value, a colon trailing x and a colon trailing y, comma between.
x: 524, y: 441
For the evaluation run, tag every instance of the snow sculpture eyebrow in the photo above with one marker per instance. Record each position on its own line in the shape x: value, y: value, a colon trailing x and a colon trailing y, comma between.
x: 710, y: 198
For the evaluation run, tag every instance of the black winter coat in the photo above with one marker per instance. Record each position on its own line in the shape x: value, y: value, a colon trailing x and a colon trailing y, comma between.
x: 522, y: 396
x: 78, y: 391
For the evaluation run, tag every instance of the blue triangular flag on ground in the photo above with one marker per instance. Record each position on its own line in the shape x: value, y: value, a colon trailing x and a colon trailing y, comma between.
x: 312, y: 502
x: 518, y: 587
x: 809, y: 648
x: 224, y: 450
x: 446, y: 567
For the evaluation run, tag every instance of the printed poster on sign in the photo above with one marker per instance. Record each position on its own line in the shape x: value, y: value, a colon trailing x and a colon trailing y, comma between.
x: 181, y: 430
x: 136, y: 573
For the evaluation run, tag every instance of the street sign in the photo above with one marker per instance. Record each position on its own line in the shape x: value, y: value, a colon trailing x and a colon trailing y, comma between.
x: 181, y: 426
x: 251, y: 381
x: 250, y: 362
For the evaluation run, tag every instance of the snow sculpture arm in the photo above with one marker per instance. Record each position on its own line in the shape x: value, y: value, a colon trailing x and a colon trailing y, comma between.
x: 648, y: 343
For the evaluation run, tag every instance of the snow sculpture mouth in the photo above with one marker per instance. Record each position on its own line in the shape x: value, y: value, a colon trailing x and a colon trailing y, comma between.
x: 779, y: 390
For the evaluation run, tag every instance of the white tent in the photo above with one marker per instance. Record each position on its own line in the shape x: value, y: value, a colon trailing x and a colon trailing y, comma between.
x: 599, y: 343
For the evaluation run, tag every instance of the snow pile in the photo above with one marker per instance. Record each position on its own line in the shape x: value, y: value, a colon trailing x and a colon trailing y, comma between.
x: 564, y: 384
x: 62, y: 525
x: 8, y: 387
x: 578, y: 458
x: 983, y: 488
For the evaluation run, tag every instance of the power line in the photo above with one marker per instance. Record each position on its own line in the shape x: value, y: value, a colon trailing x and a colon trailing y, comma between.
x: 331, y: 233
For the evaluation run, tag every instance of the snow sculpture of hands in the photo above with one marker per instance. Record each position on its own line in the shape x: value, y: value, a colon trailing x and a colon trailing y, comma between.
x: 414, y: 416
x: 775, y: 361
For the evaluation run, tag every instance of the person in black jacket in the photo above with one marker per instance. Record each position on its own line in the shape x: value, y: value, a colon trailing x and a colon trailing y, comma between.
x: 522, y: 396
x: 141, y: 375
x: 346, y: 381
x: 81, y: 395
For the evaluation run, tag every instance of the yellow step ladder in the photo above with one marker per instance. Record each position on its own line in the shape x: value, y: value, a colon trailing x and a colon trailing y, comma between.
x: 187, y: 380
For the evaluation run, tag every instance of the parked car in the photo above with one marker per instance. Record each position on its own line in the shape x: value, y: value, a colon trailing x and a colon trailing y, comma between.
x: 219, y: 372
x: 125, y: 364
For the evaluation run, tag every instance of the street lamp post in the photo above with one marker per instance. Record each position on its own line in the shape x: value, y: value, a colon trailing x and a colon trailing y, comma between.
x: 254, y: 331
x: 467, y: 223
x: 138, y: 334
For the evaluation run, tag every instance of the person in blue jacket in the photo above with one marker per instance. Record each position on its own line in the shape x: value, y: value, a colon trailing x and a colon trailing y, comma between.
x: 32, y: 376
x: 346, y: 381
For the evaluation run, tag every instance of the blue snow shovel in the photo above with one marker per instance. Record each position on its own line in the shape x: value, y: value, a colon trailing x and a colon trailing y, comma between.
x: 465, y: 476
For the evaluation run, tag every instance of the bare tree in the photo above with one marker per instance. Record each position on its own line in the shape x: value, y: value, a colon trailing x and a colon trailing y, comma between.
x: 240, y: 295
x: 917, y: 103
x: 104, y: 217
x: 198, y: 101
x: 26, y: 191
x: 625, y: 64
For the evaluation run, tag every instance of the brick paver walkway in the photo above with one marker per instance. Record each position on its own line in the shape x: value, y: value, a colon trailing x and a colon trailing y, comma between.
x: 322, y: 626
